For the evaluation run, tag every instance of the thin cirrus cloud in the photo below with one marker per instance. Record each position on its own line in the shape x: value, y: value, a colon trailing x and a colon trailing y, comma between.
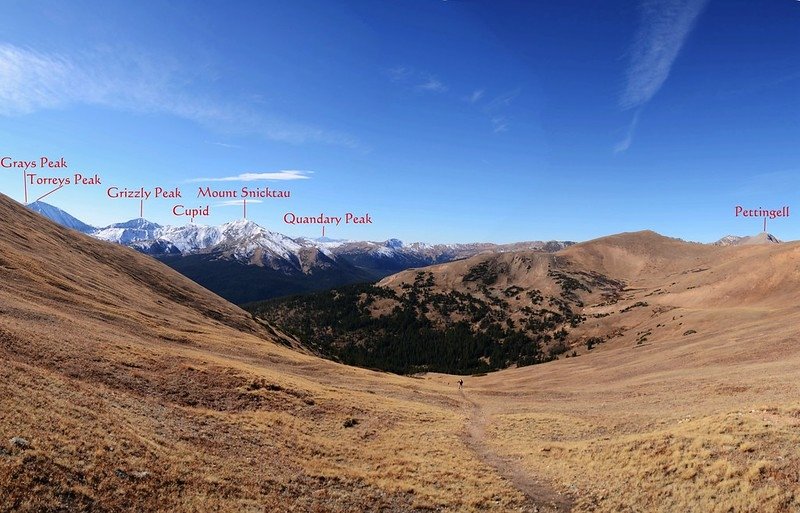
x: 288, y: 174
x: 663, y: 29
x: 475, y: 96
x: 625, y: 143
x: 494, y: 108
x: 399, y: 73
x: 664, y: 26
x: 499, y: 124
x: 497, y: 109
x: 502, y: 101
x: 225, y: 145
x: 421, y: 81
x: 432, y: 84
x: 31, y: 81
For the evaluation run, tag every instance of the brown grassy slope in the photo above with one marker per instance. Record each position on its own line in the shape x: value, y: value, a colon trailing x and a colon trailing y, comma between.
x: 508, y: 297
x: 735, y: 282
x: 655, y: 420
x: 139, y: 390
x: 111, y: 365
x: 707, y: 289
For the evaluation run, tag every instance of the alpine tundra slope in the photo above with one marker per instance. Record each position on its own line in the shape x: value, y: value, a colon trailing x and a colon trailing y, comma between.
x: 125, y: 385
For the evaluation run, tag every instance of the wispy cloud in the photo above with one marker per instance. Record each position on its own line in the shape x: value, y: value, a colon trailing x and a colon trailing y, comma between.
x: 432, y: 84
x: 663, y: 29
x: 503, y: 100
x: 289, y: 174
x: 399, y: 73
x: 475, y: 96
x: 625, y: 143
x: 495, y: 108
x: 31, y: 81
x: 421, y: 81
x: 224, y: 145
x: 499, y: 124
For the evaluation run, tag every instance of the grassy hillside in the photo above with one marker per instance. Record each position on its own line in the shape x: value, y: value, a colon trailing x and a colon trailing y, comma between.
x: 125, y: 386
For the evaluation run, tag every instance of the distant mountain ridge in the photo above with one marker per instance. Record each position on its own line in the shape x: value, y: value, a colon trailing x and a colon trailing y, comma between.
x: 735, y: 240
x: 498, y: 309
x: 243, y: 261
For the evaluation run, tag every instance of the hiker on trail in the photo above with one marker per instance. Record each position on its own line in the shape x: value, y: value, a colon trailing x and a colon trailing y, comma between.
x: 460, y: 383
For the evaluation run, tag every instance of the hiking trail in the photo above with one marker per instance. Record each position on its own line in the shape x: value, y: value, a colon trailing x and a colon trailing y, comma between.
x: 542, y: 497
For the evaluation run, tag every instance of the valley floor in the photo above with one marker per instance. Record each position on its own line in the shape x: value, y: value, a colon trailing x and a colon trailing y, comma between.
x: 671, y: 426
x: 624, y: 428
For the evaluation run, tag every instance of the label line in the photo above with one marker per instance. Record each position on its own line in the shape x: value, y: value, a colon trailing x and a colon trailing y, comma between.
x: 49, y: 193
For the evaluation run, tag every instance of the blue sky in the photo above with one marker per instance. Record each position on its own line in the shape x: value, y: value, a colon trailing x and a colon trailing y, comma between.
x: 447, y: 121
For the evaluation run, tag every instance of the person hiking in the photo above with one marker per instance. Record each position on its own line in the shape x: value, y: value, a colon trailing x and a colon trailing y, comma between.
x: 460, y: 383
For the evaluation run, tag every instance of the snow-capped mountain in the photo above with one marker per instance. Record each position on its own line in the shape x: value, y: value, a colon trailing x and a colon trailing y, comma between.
x: 244, y: 238
x: 241, y: 240
x: 244, y: 261
x: 128, y: 232
x: 59, y: 216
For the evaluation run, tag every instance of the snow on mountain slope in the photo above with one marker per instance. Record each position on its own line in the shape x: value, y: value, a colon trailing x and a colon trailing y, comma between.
x: 191, y: 238
x: 241, y: 240
x: 247, y: 237
x: 60, y: 217
x: 129, y: 232
x: 249, y: 243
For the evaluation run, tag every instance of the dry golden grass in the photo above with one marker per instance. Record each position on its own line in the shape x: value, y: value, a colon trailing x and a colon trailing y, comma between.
x: 140, y: 391
x: 707, y: 421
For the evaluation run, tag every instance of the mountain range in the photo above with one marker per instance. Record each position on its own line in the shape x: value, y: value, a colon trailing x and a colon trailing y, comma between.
x: 735, y: 240
x: 244, y: 262
x: 124, y: 385
x: 498, y: 309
